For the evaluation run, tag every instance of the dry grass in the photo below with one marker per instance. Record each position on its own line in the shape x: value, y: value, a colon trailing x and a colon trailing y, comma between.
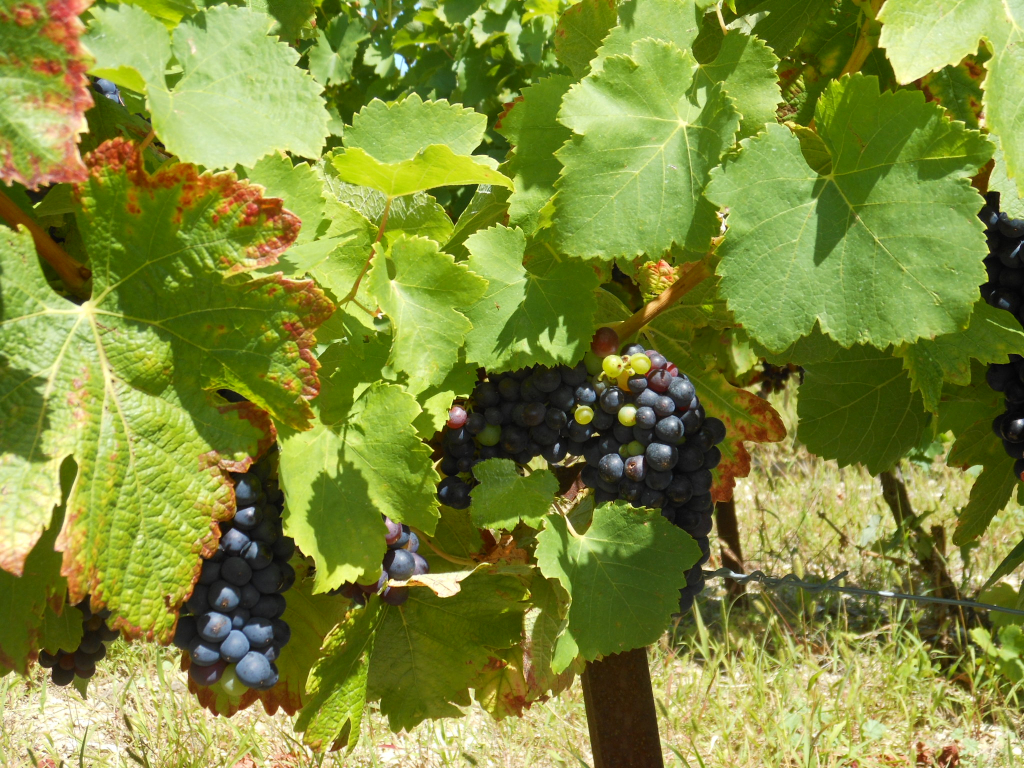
x: 779, y: 680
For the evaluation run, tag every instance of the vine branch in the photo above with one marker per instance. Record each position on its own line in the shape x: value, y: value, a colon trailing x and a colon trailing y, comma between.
x: 72, y: 272
x: 695, y: 274
x: 867, y: 40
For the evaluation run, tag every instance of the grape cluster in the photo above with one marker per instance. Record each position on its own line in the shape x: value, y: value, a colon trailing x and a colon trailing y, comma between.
x: 65, y: 666
x: 235, y: 631
x: 654, y: 446
x: 1005, y: 290
x: 401, y: 562
x: 774, y: 378
x: 633, y: 418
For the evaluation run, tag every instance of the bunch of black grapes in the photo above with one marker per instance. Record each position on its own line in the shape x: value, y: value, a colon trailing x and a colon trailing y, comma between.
x: 633, y: 418
x: 234, y: 632
x: 401, y: 562
x: 65, y: 666
x: 1005, y: 290
x: 774, y: 378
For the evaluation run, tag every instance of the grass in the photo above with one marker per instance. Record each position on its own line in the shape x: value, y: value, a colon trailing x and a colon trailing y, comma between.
x: 782, y: 678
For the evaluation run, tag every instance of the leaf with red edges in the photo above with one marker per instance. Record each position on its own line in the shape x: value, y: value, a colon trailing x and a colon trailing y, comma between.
x: 126, y: 381
x: 747, y: 417
x: 44, y: 92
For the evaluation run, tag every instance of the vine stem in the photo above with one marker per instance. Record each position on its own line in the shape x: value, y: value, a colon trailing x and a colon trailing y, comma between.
x: 369, y: 259
x: 866, y: 41
x: 72, y: 272
x: 696, y: 273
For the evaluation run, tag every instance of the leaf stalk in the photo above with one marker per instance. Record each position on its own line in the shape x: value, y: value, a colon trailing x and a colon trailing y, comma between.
x: 72, y: 272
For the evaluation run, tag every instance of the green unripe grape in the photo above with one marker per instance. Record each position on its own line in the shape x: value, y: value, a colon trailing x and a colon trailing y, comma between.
x: 593, y: 363
x: 600, y: 385
x: 624, y: 451
x: 230, y: 684
x: 640, y: 363
x: 490, y: 435
x: 635, y: 448
x: 627, y: 415
x: 584, y: 414
x: 612, y: 366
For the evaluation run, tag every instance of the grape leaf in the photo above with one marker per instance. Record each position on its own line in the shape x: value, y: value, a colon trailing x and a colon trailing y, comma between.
x: 44, y: 92
x: 858, y: 407
x: 579, y: 33
x: 420, y: 298
x: 674, y: 21
x: 825, y: 247
x: 437, y: 399
x: 240, y: 95
x: 435, y: 166
x: 170, y: 12
x: 487, y: 207
x: 291, y: 16
x: 332, y: 56
x: 311, y: 617
x: 543, y: 622
x: 623, y: 576
x: 500, y: 689
x: 336, y: 691
x: 27, y: 601
x: 538, y: 313
x: 746, y: 416
x: 786, y: 21
x: 745, y: 67
x: 959, y: 89
x: 361, y: 460
x: 992, y: 335
x: 999, y: 181
x: 428, y: 650
x: 391, y: 133
x: 298, y: 187
x: 123, y: 382
x: 504, y: 497
x: 634, y: 176
x: 530, y: 126
x: 921, y: 36
x: 992, y: 489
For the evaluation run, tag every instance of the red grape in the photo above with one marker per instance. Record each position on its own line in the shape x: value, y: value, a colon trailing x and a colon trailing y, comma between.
x: 657, y: 359
x: 658, y: 380
x: 672, y: 369
x: 605, y: 342
x: 457, y: 417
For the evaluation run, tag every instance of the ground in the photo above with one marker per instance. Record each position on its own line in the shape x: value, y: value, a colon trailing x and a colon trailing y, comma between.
x: 780, y: 679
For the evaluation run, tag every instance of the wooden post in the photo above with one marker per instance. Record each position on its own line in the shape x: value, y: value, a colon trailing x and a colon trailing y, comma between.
x: 621, y: 715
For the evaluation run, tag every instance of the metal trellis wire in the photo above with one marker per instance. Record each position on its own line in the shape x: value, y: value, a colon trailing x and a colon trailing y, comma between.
x: 833, y: 585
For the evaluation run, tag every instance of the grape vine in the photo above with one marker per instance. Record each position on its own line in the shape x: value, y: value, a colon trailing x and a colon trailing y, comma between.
x: 417, y: 342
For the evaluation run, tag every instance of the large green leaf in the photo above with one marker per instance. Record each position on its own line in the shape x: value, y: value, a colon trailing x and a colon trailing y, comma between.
x: 782, y: 22
x: 337, y: 684
x: 361, y: 460
x: 240, y: 94
x: 921, y: 36
x: 504, y: 497
x: 43, y: 91
x: 125, y: 381
x: 674, y: 21
x: 428, y: 650
x: 403, y: 129
x: 992, y: 335
x: 635, y: 173
x: 538, y: 313
x: 420, y: 288
x: 623, y: 576
x: 880, y: 245
x: 858, y: 407
x: 531, y: 128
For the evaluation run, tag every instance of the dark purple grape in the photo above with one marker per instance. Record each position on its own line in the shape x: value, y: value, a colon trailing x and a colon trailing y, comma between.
x: 205, y: 676
x: 712, y: 458
x: 395, y: 595
x: 658, y: 480
x: 679, y: 490
x: 611, y: 468
x: 669, y: 430
x: 658, y: 381
x: 234, y: 647
x: 635, y: 468
x: 399, y: 564
x: 486, y: 395
x: 248, y: 518
x: 612, y: 400
x: 254, y: 670
x: 646, y: 417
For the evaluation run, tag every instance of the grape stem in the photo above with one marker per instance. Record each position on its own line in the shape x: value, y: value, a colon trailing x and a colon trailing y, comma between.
x: 443, y: 555
x: 72, y: 272
x: 695, y: 273
x: 369, y: 260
